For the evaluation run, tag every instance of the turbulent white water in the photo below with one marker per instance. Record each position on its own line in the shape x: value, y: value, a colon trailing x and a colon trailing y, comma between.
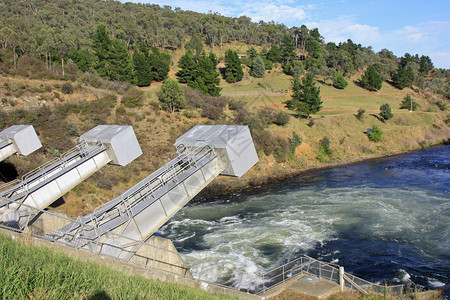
x: 375, y: 227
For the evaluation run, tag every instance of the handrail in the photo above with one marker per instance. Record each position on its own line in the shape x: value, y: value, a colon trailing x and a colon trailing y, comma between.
x: 184, y: 271
x: 41, y: 172
x: 323, y: 270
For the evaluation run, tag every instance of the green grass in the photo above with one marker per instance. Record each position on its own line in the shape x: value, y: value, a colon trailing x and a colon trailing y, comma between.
x: 29, y: 272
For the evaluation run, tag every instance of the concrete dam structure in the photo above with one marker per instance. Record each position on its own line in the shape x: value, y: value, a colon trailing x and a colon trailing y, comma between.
x: 21, y: 199
x: 119, y: 227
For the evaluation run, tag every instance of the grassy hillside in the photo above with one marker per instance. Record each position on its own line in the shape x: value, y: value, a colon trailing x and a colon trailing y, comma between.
x: 59, y: 118
x: 36, y: 273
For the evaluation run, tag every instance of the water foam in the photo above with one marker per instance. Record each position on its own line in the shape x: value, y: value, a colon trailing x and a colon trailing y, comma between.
x: 246, y: 234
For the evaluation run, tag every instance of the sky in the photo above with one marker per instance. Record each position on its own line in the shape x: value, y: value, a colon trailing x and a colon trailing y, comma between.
x: 414, y: 27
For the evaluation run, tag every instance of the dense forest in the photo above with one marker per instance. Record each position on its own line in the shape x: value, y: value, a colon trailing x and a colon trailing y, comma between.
x: 112, y: 39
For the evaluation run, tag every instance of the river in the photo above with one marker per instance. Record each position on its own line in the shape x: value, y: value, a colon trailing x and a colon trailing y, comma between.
x: 385, y: 219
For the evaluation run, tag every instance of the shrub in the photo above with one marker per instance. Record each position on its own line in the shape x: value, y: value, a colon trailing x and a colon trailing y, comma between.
x: 324, y: 150
x: 385, y: 112
x: 254, y: 121
x: 235, y: 104
x: 310, y: 123
x: 172, y: 95
x: 71, y: 129
x: 360, y: 114
x: 295, y: 142
x: 442, y: 106
x: 325, y: 144
x: 371, y: 80
x: 213, y: 107
x: 339, y: 81
x: 375, y: 134
x: 133, y: 97
x: 281, y: 118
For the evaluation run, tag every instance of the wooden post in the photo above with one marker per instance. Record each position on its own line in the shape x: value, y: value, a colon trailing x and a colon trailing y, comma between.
x: 341, y: 279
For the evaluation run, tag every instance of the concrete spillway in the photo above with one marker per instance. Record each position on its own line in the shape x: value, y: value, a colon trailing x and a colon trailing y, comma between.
x: 204, y: 152
x: 102, y: 145
x: 21, y: 139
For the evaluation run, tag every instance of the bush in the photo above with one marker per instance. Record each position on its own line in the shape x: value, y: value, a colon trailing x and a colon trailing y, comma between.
x: 442, y: 106
x: 71, y: 129
x: 172, y: 95
x: 272, y: 116
x: 213, y: 107
x: 360, y: 114
x: 133, y: 97
x: 385, y: 112
x: 324, y: 150
x: 254, y: 121
x: 295, y: 142
x: 371, y: 80
x: 235, y: 104
x: 375, y: 134
x: 339, y: 81
x: 281, y: 118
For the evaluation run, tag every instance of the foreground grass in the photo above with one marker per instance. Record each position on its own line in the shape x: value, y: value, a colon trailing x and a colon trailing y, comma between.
x: 29, y: 272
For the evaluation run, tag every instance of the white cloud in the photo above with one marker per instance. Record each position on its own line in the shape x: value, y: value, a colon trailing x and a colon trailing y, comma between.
x: 343, y: 28
x: 269, y: 11
x: 428, y: 38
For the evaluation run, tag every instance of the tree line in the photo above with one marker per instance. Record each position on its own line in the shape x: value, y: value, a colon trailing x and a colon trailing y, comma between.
x: 129, y: 42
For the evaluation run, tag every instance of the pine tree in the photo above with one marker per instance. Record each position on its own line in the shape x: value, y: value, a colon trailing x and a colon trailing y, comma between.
x: 101, y: 46
x: 233, y: 67
x: 371, y: 80
x: 200, y: 73
x: 142, y: 73
x: 287, y: 49
x: 159, y: 64
x: 207, y: 78
x: 274, y: 54
x: 113, y: 61
x: 403, y: 77
x: 426, y: 65
x: 187, y: 66
x: 258, y: 68
x: 119, y: 63
x: 305, y: 96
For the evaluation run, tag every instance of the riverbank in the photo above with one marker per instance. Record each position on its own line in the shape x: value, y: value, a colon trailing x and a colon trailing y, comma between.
x: 224, y: 185
x: 66, y: 117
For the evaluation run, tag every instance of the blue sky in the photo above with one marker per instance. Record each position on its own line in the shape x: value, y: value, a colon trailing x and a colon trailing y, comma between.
x: 421, y: 27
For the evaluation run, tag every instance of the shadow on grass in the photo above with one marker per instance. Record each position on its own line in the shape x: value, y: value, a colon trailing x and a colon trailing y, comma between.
x: 102, y: 295
x: 324, y: 83
x: 377, y: 117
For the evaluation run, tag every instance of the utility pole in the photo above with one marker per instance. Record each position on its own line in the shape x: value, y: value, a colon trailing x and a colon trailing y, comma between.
x: 411, y: 104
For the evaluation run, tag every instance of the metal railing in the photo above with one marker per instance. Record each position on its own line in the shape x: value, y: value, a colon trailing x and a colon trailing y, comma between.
x: 82, y: 149
x: 303, y: 265
x: 148, y: 188
x: 310, y: 266
x: 152, y: 261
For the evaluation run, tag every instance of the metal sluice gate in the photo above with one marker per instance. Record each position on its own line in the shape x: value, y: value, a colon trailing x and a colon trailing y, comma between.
x: 204, y: 152
x: 21, y: 139
x: 20, y: 200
